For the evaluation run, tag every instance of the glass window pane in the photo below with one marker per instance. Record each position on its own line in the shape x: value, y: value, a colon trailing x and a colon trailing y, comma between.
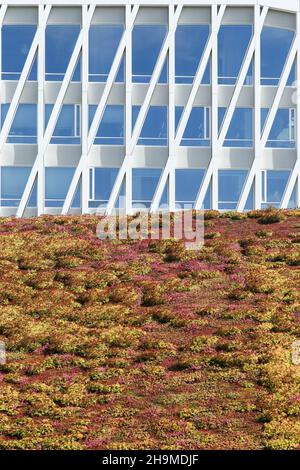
x: 231, y: 52
x: 276, y: 184
x: 197, y: 131
x: 230, y: 184
x: 147, y: 41
x: 282, y: 134
x: 240, y: 132
x: 293, y: 200
x: 144, y: 184
x: 13, y: 182
x: 190, y: 41
x: 155, y: 127
x: 57, y: 182
x: 101, y: 182
x: 104, y: 181
x: 111, y: 128
x: 16, y: 42
x: 275, y: 46
x: 60, y: 43
x: 187, y: 186
x: 67, y: 129
x: 103, y: 43
x: 24, y: 127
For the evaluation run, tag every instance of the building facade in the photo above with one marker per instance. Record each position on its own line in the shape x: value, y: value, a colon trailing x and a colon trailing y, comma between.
x: 148, y: 104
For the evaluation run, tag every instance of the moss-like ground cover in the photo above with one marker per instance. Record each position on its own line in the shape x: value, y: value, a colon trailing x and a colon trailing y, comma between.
x: 140, y: 345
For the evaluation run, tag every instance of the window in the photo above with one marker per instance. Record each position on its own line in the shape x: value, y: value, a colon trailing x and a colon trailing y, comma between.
x: 12, y: 184
x: 24, y: 126
x: 102, y: 181
x: 155, y: 128
x: 282, y: 133
x: 293, y: 200
x: 57, y: 182
x: 240, y: 133
x: 233, y: 41
x: 16, y: 42
x: 273, y: 186
x: 187, y: 186
x: 190, y: 42
x: 275, y: 46
x: 147, y: 41
x: 197, y: 131
x: 103, y: 44
x: 111, y: 128
x: 67, y: 129
x: 60, y: 43
x: 144, y: 184
x: 230, y: 186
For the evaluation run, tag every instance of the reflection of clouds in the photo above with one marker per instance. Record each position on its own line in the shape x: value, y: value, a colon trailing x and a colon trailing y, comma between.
x: 24, y: 49
x: 104, y: 41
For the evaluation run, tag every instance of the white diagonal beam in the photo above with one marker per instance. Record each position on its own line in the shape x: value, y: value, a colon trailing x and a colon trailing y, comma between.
x: 187, y: 110
x: 3, y: 10
x: 110, y: 80
x: 84, y: 109
x: 199, y: 75
x: 295, y: 173
x: 269, y: 122
x: 279, y: 92
x: 214, y: 196
x: 99, y: 113
x: 53, y: 117
x: 171, y: 110
x: 41, y: 115
x: 141, y: 117
x: 290, y: 185
x: 21, y: 83
x: 153, y: 82
x: 240, y: 82
x: 128, y: 106
x: 241, y: 79
x: 257, y: 109
x: 211, y: 174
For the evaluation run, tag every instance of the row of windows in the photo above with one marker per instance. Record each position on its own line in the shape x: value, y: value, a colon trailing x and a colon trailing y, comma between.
x: 147, y: 40
x: 144, y: 183
x: 155, y: 127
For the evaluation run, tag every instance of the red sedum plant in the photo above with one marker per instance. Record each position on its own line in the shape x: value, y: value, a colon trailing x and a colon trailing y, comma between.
x: 144, y: 344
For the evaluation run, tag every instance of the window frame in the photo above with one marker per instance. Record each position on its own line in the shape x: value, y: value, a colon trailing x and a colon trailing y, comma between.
x: 56, y: 199
x: 292, y: 124
x: 190, y: 78
x: 33, y: 194
x: 145, y: 204
x: 228, y: 140
x: 105, y: 76
x: 10, y: 136
x: 264, y: 188
x: 251, y: 84
x: 151, y: 141
x: 59, y: 76
x: 234, y: 204
x: 77, y: 125
x: 274, y: 81
x: 16, y: 75
x: 148, y: 77
x: 100, y: 140
x: 201, y: 142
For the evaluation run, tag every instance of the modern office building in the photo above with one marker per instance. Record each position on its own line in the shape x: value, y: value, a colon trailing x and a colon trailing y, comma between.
x: 148, y: 103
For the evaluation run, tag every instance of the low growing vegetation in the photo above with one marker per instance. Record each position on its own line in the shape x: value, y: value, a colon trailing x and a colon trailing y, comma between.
x: 140, y: 345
